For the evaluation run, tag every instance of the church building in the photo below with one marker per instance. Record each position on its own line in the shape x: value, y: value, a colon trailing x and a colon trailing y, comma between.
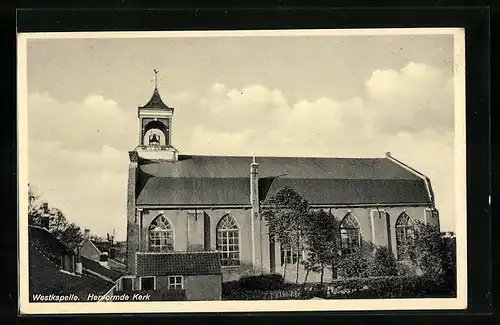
x: 200, y: 203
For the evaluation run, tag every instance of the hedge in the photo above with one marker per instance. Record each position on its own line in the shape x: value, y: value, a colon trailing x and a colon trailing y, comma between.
x: 357, y: 288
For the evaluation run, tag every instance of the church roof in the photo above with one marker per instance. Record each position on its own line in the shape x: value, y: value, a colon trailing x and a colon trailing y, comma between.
x: 156, y: 103
x: 224, y: 180
x: 189, y: 166
x: 178, y: 263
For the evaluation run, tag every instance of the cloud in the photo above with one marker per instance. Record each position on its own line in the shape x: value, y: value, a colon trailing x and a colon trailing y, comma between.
x: 83, y: 126
x: 78, y: 158
x: 232, y: 109
x: 408, y: 112
x: 416, y: 97
x: 203, y: 140
x: 78, y: 150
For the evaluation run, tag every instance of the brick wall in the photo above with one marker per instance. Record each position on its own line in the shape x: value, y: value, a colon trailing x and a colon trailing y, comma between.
x: 132, y: 227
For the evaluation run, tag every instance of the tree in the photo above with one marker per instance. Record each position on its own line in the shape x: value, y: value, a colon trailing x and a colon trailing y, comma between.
x: 449, y: 258
x: 36, y: 209
x: 68, y: 233
x: 285, y: 213
x: 428, y: 252
x: 321, y: 242
x: 98, y: 239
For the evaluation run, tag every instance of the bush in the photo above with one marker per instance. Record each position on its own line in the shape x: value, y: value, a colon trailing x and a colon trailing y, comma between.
x: 262, y: 282
x: 405, y: 269
x: 354, y: 265
x: 384, y: 263
x: 428, y: 250
x: 448, y: 256
x: 388, y: 287
x: 356, y: 288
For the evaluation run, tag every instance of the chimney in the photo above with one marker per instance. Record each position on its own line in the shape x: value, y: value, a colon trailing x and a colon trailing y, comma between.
x: 86, y: 234
x: 254, y: 186
x: 388, y: 154
x: 45, y: 217
x: 45, y: 222
x: 255, y: 217
x: 103, y: 259
x: 78, y: 265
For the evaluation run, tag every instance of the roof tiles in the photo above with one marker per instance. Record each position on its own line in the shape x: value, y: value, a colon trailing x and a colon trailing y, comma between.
x: 225, y: 180
x: 155, y: 103
x: 45, y: 276
x: 178, y: 263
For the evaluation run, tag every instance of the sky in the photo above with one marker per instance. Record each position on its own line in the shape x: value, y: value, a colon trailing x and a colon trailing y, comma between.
x: 328, y: 96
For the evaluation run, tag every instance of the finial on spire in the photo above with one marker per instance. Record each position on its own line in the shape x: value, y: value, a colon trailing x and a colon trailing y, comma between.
x: 156, y: 78
x: 254, y: 162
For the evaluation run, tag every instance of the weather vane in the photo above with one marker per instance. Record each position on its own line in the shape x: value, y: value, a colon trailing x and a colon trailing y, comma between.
x: 156, y: 78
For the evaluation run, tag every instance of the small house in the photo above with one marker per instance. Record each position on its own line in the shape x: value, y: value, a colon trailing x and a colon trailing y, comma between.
x: 102, y: 252
x: 176, y: 275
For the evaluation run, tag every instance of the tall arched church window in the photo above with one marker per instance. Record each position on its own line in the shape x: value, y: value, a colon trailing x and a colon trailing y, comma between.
x: 161, y: 235
x: 405, y: 236
x: 350, y: 236
x: 228, y: 243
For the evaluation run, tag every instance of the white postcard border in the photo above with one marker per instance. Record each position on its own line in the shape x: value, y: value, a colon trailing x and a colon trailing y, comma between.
x: 460, y: 302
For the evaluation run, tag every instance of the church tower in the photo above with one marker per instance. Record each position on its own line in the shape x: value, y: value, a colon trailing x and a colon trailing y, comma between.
x: 155, y: 128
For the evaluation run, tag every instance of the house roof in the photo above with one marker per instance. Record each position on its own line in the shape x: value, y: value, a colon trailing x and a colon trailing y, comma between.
x: 46, y: 277
x: 156, y: 103
x: 178, y: 263
x: 116, y: 265
x: 103, y: 246
x: 100, y: 247
x: 221, y: 180
x: 48, y: 243
x: 98, y: 268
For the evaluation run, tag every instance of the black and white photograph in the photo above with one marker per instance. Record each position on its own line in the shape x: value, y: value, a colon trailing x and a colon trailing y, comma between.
x: 276, y: 170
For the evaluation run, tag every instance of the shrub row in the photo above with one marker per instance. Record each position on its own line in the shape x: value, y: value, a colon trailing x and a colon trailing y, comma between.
x: 258, y: 288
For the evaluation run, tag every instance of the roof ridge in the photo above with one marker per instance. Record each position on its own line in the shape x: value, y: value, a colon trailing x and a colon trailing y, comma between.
x: 47, y: 232
x: 177, y: 252
x: 43, y: 254
x: 39, y: 227
x: 288, y: 157
x: 415, y: 172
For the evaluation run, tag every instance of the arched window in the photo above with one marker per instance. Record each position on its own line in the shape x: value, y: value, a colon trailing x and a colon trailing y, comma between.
x: 350, y: 238
x: 228, y: 241
x: 155, y: 132
x: 405, y: 236
x: 161, y: 235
